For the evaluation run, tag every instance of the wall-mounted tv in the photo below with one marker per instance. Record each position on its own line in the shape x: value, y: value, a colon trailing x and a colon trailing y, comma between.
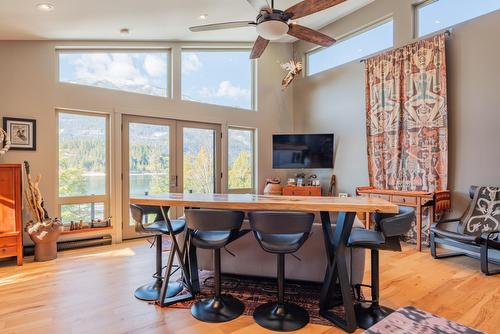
x: 303, y: 151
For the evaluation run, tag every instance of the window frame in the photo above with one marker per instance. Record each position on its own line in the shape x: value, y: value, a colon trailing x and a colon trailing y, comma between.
x: 80, y: 50
x: 348, y: 36
x: 253, y: 141
x: 253, y: 74
x: 86, y: 199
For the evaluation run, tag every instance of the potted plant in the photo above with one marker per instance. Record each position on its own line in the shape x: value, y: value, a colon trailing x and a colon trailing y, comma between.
x: 43, y: 231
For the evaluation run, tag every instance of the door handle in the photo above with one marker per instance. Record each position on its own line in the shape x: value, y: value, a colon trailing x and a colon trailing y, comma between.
x: 173, y: 181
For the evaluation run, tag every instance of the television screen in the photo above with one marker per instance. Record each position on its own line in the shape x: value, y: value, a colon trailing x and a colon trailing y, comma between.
x: 303, y: 151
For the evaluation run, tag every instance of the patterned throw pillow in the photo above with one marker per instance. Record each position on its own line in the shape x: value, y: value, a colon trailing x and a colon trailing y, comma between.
x: 484, y: 215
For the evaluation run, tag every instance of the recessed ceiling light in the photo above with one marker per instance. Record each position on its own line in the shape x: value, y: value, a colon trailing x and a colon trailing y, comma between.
x: 45, y: 7
x: 203, y: 16
x: 124, y: 31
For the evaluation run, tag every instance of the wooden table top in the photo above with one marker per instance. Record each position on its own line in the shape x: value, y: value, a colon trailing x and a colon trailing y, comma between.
x: 250, y: 202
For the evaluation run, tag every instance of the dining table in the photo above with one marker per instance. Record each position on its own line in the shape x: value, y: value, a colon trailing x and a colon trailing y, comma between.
x: 336, y: 287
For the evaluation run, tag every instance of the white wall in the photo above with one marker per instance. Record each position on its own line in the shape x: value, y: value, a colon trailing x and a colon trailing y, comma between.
x: 29, y: 89
x: 334, y: 100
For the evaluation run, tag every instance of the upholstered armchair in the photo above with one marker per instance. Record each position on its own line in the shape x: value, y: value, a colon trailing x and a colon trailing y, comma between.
x: 477, y: 232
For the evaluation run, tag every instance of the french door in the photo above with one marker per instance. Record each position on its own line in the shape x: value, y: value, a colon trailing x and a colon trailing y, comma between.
x: 165, y: 156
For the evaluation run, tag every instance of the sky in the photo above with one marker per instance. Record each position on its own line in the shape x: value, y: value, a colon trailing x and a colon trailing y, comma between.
x: 433, y: 17
x: 215, y: 77
x: 358, y: 46
x: 140, y: 72
x: 445, y: 13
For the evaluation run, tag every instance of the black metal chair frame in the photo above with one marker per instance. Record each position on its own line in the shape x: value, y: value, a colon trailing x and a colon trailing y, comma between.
x: 478, y: 249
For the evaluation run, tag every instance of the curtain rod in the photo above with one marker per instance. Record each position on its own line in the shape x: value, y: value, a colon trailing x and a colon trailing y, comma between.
x: 447, y: 33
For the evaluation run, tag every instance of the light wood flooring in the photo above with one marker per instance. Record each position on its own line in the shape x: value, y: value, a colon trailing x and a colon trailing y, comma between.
x: 91, y: 291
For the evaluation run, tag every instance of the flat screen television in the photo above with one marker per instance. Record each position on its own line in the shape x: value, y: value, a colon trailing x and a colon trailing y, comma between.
x: 303, y: 151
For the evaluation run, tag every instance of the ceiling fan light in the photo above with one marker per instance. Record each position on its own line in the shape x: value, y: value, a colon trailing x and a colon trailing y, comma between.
x: 272, y: 29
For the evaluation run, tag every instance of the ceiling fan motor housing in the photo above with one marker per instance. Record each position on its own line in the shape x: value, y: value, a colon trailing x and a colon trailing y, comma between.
x: 272, y: 25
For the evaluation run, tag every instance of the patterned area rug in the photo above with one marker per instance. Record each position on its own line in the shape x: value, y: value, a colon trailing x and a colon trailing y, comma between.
x: 256, y: 291
x: 410, y: 320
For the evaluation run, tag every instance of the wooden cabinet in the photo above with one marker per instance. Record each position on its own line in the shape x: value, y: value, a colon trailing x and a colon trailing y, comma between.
x: 301, y: 191
x: 11, y: 237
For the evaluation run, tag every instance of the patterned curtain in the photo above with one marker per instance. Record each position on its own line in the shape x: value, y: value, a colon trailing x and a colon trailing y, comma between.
x: 406, y: 117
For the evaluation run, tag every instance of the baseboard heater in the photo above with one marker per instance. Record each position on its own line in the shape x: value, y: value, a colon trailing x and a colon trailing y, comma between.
x: 101, y: 240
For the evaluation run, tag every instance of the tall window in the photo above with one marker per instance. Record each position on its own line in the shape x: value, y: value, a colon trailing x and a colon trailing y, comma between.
x: 144, y: 72
x: 83, y: 166
x: 361, y: 44
x: 436, y: 15
x: 241, y: 161
x: 221, y: 77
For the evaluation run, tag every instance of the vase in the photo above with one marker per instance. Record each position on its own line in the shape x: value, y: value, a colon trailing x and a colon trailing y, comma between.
x: 45, y: 240
x: 272, y: 189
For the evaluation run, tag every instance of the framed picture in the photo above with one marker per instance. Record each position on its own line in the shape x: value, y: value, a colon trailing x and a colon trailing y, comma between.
x: 22, y: 133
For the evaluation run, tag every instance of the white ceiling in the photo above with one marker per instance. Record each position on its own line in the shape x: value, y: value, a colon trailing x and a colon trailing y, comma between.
x: 146, y: 19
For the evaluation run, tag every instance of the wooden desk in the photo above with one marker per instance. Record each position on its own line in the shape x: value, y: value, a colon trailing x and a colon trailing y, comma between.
x: 335, y: 244
x: 435, y: 201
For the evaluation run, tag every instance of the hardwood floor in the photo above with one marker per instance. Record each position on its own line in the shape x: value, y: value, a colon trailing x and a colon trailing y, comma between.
x: 91, y: 291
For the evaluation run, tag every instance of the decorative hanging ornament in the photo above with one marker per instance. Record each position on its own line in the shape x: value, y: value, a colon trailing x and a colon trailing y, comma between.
x: 5, y: 140
x: 294, y: 68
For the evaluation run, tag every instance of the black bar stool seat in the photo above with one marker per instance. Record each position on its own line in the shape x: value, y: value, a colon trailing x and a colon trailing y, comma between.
x: 214, y: 229
x: 178, y: 225
x: 151, y: 291
x: 386, y: 236
x: 281, y: 233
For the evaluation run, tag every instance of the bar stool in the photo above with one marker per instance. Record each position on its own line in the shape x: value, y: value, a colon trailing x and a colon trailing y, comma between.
x: 388, y: 230
x: 158, y: 228
x: 281, y: 233
x: 214, y: 229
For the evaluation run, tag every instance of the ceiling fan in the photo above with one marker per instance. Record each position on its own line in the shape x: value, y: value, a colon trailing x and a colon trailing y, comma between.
x: 272, y: 24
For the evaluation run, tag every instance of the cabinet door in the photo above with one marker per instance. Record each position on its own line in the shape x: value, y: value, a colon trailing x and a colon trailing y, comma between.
x: 7, y: 200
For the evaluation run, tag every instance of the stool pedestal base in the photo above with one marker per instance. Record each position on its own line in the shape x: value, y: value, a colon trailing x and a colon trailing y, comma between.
x: 283, y: 318
x: 217, y: 309
x: 367, y: 316
x: 151, y: 291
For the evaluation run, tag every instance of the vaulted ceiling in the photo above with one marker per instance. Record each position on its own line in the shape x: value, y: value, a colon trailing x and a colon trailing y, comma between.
x: 146, y: 19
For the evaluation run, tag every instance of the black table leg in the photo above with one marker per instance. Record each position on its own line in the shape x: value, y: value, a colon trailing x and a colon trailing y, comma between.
x: 180, y: 253
x: 335, y: 246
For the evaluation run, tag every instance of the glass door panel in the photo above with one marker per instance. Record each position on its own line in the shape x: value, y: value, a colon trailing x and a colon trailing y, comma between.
x: 149, y: 155
x: 148, y: 162
x: 198, y: 161
x: 200, y: 167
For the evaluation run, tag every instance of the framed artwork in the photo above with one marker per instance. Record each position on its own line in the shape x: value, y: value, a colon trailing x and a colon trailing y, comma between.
x: 22, y: 133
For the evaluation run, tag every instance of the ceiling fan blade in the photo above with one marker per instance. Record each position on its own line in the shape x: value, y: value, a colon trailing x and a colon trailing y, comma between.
x: 226, y: 25
x: 308, y: 7
x: 310, y: 35
x: 260, y: 5
x: 259, y: 47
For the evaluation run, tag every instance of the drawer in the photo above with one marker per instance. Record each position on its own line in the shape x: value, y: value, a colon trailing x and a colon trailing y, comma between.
x: 386, y: 197
x: 8, y: 241
x: 404, y: 200
x: 8, y: 251
x: 301, y: 192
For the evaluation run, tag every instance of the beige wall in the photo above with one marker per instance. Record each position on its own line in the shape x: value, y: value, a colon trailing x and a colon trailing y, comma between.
x: 334, y: 100
x: 29, y: 89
